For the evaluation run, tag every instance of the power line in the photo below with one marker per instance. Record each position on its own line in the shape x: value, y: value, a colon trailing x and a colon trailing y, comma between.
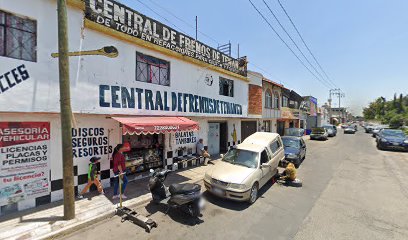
x: 148, y: 7
x: 185, y: 22
x: 293, y: 41
x: 273, y: 29
x: 272, y: 76
x: 304, y: 43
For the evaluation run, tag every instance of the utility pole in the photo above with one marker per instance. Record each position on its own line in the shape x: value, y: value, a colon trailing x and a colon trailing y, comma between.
x: 337, y: 92
x: 196, y: 28
x: 66, y: 112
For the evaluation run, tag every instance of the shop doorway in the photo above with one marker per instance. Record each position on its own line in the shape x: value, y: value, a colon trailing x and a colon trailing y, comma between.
x: 217, y: 138
x: 223, y: 137
x: 281, y: 128
x: 213, y: 138
x: 146, y: 152
x: 247, y: 128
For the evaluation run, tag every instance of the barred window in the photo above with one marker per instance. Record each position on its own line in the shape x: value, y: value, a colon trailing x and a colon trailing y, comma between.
x: 268, y: 99
x: 152, y: 70
x: 226, y: 87
x: 285, y: 101
x: 18, y: 37
x: 276, y: 100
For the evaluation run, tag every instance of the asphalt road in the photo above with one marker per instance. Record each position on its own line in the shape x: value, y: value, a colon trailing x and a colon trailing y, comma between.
x: 350, y: 191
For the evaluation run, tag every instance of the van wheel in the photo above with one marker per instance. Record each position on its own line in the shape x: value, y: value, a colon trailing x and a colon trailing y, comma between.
x: 254, y: 193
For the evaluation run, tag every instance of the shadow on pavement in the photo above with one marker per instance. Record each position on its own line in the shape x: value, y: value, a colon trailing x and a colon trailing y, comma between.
x: 234, y: 205
x: 175, y: 214
x: 139, y: 187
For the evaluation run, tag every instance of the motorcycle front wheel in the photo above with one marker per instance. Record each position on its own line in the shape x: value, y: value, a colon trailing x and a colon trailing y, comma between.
x: 194, y: 210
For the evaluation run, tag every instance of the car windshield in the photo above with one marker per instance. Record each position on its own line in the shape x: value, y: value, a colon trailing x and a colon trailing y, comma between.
x: 288, y: 142
x: 241, y: 157
x: 393, y: 133
x: 293, y: 132
x: 329, y: 128
x: 317, y: 130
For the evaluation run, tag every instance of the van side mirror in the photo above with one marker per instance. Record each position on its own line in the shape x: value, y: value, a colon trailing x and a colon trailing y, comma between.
x: 264, y: 165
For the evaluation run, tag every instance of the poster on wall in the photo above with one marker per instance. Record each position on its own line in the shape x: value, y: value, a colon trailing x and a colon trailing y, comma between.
x: 25, y: 165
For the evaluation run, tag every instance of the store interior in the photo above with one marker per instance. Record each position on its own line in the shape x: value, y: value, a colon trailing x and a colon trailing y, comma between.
x: 146, y: 152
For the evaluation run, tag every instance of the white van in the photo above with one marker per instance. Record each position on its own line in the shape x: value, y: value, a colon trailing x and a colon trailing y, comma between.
x: 273, y: 144
x: 246, y: 168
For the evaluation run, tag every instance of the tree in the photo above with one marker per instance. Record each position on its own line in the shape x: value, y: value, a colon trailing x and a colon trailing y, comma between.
x: 400, y: 104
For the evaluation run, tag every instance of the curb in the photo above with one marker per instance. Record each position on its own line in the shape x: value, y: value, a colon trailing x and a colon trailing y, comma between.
x: 109, y: 214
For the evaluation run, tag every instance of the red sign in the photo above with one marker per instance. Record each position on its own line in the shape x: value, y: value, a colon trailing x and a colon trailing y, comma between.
x: 14, y: 133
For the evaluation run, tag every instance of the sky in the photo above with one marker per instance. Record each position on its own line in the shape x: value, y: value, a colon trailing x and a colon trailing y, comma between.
x: 362, y: 45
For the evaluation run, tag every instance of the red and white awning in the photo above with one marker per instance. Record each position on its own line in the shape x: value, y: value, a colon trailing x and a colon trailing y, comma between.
x: 151, y: 125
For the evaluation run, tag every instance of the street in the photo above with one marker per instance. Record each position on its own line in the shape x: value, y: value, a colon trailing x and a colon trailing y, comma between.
x: 350, y: 191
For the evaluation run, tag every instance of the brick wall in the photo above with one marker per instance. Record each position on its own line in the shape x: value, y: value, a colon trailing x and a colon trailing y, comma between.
x: 255, y: 100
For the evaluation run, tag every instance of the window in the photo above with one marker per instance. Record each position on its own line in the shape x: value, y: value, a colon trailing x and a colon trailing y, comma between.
x: 285, y: 101
x: 226, y: 87
x: 267, y: 126
x: 152, y: 70
x: 18, y: 37
x: 276, y: 100
x: 264, y: 157
x: 275, y: 146
x: 268, y: 99
x: 293, y: 104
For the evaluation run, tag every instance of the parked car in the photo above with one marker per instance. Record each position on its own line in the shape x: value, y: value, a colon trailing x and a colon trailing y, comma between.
x: 319, y: 133
x: 331, y: 130
x: 246, y: 168
x: 296, y: 132
x: 376, y: 130
x: 392, y: 139
x: 295, y: 150
x: 368, y: 128
x: 350, y: 130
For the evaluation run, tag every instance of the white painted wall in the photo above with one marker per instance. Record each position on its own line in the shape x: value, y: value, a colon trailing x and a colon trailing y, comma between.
x: 40, y: 93
x: 112, y: 131
x: 255, y: 78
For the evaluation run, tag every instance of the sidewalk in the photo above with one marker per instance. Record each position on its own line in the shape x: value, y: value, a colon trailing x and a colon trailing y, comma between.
x: 46, y: 221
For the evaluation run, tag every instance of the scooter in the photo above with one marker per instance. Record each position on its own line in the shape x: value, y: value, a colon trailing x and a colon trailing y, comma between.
x: 187, y: 197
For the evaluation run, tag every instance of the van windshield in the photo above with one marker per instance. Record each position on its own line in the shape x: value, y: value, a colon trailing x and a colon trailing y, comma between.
x: 241, y: 157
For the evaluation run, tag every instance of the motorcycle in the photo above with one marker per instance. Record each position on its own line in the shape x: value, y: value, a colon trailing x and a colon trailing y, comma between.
x: 186, y: 197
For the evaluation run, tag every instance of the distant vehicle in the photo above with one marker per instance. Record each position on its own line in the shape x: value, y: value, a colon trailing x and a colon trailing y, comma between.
x: 376, y: 130
x: 392, y: 139
x: 331, y: 130
x: 369, y: 128
x: 319, y: 133
x: 296, y: 132
x: 245, y: 169
x: 349, y: 130
x: 295, y: 149
x: 343, y: 126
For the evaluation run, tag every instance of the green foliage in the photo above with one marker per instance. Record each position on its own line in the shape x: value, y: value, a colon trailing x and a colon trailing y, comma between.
x: 394, y: 112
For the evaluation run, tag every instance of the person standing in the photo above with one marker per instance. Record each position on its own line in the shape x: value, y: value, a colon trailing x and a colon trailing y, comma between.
x: 119, y: 167
x: 202, y: 152
x: 92, y: 177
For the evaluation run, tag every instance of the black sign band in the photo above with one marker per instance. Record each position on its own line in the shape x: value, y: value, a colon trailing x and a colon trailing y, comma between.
x: 123, y: 19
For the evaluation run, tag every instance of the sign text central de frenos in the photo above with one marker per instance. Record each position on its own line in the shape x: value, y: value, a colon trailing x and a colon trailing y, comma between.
x: 123, y: 19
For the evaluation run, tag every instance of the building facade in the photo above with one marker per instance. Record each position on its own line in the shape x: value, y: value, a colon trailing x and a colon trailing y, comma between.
x: 272, y: 104
x: 126, y: 69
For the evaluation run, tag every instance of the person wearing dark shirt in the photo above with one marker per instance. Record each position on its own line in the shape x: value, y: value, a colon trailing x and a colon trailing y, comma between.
x: 92, y: 177
x: 119, y: 167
